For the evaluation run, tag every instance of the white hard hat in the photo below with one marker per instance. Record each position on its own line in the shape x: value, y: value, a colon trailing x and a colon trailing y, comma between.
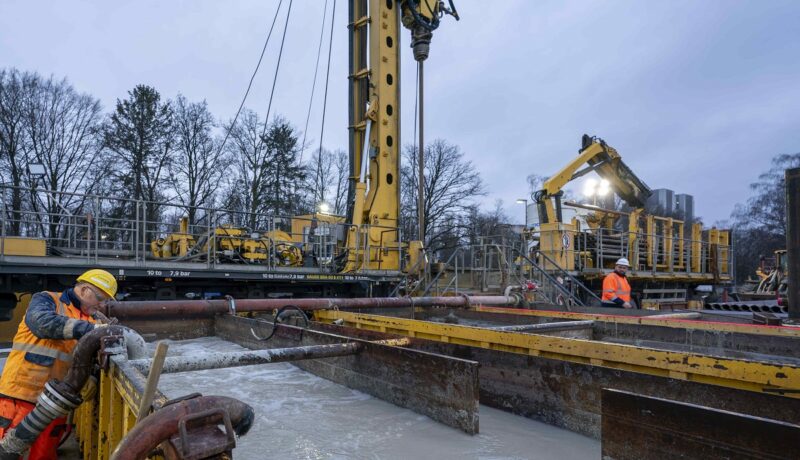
x: 624, y: 261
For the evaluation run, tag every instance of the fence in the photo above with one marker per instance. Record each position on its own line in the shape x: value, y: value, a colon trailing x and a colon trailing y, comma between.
x: 92, y: 227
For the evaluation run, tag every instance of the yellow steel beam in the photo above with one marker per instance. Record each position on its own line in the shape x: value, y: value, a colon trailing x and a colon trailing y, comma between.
x: 757, y: 329
x: 727, y: 372
x: 104, y: 419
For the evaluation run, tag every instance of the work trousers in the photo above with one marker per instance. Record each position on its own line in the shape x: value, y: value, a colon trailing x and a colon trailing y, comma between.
x: 12, y: 411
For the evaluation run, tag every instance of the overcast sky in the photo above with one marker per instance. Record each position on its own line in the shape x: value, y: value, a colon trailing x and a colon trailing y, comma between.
x: 696, y: 96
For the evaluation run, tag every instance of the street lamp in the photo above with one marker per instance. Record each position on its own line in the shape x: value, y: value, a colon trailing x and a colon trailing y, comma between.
x: 524, y: 202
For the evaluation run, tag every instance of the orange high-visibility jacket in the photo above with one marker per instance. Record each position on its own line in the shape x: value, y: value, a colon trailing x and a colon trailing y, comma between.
x: 38, y: 357
x: 616, y: 286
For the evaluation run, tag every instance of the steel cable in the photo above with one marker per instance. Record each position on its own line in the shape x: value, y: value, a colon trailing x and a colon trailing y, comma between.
x: 277, y: 68
x: 327, y: 77
x: 314, y: 83
x: 252, y: 77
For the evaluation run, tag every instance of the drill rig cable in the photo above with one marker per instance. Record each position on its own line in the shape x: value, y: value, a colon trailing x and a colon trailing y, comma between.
x: 416, y: 100
x: 314, y: 83
x: 252, y: 77
x: 277, y: 68
x: 327, y: 78
x: 421, y: 152
x: 278, y: 321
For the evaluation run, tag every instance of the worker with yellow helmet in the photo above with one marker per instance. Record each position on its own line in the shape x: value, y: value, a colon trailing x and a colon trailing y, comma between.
x: 42, y: 350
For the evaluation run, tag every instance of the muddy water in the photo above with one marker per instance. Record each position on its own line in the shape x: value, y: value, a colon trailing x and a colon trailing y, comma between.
x: 301, y: 416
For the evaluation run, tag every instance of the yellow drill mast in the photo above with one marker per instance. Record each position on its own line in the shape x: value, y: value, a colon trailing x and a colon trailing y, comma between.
x: 373, y: 239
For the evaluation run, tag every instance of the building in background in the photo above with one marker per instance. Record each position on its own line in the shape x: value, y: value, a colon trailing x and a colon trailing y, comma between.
x: 661, y: 202
x: 684, y: 210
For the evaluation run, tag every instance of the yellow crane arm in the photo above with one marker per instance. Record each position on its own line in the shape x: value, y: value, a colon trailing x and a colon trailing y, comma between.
x: 595, y: 155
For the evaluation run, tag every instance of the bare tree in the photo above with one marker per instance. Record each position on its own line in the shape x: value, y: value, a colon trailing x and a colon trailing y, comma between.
x: 451, y: 185
x: 246, y: 192
x: 62, y: 127
x: 268, y: 174
x: 760, y: 224
x: 198, y: 163
x: 535, y: 183
x: 320, y: 175
x: 15, y: 91
x: 341, y: 164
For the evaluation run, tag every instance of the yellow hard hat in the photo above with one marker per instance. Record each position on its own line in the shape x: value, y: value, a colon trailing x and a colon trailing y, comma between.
x: 102, y: 280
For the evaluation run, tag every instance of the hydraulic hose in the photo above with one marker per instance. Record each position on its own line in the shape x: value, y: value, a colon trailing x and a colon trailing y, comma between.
x: 59, y: 397
x: 164, y: 423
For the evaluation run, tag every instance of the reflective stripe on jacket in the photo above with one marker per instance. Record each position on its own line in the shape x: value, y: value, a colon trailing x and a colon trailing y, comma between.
x: 616, y: 286
x: 42, y: 348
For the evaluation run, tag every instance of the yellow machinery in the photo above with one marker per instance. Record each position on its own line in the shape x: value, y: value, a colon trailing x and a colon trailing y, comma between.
x: 175, y: 244
x: 667, y: 255
x: 373, y: 239
x: 771, y: 279
x: 16, y: 246
x: 607, y: 163
x: 229, y: 242
x: 557, y: 237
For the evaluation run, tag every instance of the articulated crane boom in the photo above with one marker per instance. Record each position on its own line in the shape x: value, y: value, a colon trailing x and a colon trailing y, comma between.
x: 607, y: 163
x: 373, y: 239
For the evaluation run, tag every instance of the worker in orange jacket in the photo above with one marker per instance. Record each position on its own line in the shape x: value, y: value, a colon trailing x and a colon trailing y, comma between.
x: 616, y: 290
x: 42, y: 350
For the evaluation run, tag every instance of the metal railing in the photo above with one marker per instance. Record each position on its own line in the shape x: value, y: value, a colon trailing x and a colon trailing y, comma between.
x: 506, y: 265
x: 598, y: 249
x: 562, y: 287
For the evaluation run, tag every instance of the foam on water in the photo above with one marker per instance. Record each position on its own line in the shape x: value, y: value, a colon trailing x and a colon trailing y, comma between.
x: 301, y: 416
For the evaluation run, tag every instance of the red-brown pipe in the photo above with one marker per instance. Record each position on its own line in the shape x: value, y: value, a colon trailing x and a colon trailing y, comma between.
x: 195, y: 308
x: 163, y: 424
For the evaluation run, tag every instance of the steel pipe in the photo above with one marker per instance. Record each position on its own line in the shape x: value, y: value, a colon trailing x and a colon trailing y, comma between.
x: 546, y: 327
x: 205, y: 361
x: 159, y: 308
x: 163, y: 424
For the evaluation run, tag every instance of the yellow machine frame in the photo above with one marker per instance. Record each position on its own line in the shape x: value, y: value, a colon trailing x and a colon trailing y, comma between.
x: 373, y: 240
x: 727, y: 372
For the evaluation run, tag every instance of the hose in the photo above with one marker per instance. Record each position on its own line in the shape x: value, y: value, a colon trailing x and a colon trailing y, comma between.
x: 278, y: 316
x: 59, y: 397
x: 165, y: 422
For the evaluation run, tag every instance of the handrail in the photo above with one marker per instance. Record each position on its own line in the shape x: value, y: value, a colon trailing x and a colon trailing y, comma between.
x: 435, y: 279
x: 563, y: 273
x: 553, y: 282
x: 407, y: 274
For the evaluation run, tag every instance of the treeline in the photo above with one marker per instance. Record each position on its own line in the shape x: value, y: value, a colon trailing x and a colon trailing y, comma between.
x: 157, y: 150
x: 179, y: 159
x: 759, y: 224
